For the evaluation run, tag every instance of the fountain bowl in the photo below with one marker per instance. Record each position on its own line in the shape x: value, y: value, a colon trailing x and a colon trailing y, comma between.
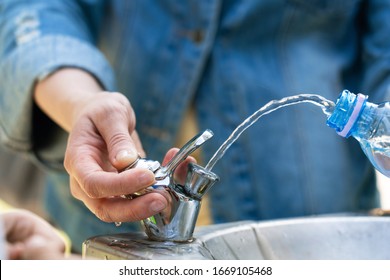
x: 346, y: 237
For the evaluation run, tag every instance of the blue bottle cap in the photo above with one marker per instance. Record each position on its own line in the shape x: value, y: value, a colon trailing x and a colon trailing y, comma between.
x: 347, y: 110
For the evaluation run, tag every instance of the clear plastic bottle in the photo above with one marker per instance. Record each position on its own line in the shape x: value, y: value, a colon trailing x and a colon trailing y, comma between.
x: 368, y: 123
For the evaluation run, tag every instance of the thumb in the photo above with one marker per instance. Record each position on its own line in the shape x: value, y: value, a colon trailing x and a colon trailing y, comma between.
x: 121, y: 148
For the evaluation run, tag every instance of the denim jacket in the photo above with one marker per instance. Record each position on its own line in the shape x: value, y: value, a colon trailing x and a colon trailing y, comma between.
x: 225, y: 58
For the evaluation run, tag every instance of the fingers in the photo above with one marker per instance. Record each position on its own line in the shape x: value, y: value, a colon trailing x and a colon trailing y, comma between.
x: 39, y: 248
x: 118, y: 209
x: 110, y: 116
x: 181, y: 171
x: 15, y: 250
x: 115, y: 122
x: 97, y: 183
x: 102, y: 141
x: 100, y: 189
x: 101, y: 195
x: 100, y: 144
x: 19, y: 225
x: 169, y: 155
x: 27, y: 232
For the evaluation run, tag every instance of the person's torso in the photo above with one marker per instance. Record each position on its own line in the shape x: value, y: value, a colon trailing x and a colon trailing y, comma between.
x: 227, y: 59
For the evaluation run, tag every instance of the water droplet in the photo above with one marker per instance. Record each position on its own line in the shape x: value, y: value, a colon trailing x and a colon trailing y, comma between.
x: 113, y: 242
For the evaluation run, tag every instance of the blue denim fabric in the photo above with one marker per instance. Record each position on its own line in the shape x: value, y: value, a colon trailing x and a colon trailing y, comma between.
x: 225, y: 58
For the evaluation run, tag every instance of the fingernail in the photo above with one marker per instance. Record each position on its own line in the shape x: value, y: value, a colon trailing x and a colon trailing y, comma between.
x: 157, y: 206
x: 127, y: 156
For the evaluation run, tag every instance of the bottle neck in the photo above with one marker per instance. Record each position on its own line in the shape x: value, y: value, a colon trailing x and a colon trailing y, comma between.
x: 367, y: 123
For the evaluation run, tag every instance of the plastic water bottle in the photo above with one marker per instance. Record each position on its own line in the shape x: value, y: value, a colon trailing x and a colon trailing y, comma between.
x: 368, y: 123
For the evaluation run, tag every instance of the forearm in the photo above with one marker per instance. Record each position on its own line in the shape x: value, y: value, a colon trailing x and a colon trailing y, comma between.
x: 62, y: 93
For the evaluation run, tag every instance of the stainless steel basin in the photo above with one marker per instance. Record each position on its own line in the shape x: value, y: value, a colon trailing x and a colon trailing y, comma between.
x: 346, y: 237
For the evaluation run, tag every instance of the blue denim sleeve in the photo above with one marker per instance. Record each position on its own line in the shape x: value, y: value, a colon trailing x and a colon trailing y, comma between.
x: 376, y: 50
x: 37, y: 38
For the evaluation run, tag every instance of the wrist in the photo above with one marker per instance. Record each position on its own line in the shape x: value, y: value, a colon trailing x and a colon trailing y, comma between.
x: 62, y: 93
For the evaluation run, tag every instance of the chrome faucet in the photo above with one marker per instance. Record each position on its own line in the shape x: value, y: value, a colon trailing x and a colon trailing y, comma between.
x: 177, y: 221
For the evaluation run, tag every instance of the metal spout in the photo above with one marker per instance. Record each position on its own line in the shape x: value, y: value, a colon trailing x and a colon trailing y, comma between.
x: 177, y: 221
x: 199, y: 180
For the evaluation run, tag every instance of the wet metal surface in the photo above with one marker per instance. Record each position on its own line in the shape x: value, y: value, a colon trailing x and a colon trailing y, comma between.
x: 350, y: 237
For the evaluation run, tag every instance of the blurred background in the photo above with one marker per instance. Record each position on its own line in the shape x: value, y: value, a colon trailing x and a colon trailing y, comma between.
x: 384, y: 188
x: 21, y: 183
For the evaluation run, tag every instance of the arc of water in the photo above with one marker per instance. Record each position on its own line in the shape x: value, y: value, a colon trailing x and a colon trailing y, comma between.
x: 326, y: 105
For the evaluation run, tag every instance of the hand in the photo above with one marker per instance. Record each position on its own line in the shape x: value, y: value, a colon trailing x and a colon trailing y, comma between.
x: 29, y: 236
x: 102, y: 141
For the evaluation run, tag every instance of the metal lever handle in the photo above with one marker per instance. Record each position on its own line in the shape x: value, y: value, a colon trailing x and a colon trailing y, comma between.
x: 183, y: 153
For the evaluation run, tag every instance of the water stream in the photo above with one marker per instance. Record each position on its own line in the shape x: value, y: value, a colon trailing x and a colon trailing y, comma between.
x: 326, y: 105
